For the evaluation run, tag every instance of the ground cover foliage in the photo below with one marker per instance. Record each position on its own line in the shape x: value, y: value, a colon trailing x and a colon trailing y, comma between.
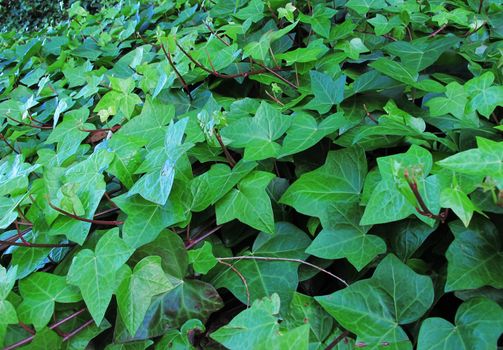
x: 254, y: 175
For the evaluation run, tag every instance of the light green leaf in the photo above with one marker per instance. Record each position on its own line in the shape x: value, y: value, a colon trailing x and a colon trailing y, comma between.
x: 257, y: 134
x: 94, y: 272
x: 395, y: 70
x: 327, y: 92
x: 478, y: 325
x: 373, y: 309
x: 475, y: 257
x: 249, y: 203
x: 202, y: 259
x: 40, y: 291
x: 137, y: 289
x: 340, y: 179
x: 343, y: 237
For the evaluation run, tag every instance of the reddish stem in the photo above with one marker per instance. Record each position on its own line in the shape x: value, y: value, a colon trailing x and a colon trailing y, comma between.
x: 424, y: 210
x: 78, y: 330
x: 57, y: 324
x: 179, y: 76
x: 97, y: 222
x: 437, y: 31
x: 30, y: 125
x: 337, y: 340
x: 2, y: 137
x: 196, y: 241
x: 228, y: 156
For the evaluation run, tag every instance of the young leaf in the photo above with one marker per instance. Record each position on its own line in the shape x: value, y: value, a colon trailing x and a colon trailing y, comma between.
x: 478, y: 324
x: 249, y: 203
x: 137, y: 289
x: 94, y: 272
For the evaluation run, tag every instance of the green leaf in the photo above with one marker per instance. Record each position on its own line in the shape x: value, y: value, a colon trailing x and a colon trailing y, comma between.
x: 340, y: 179
x: 305, y: 131
x: 258, y: 328
x: 202, y: 259
x: 305, y: 309
x: 145, y: 220
x: 392, y: 199
x: 363, y: 6
x: 420, y: 54
x: 159, y: 166
x: 267, y: 277
x: 327, y: 92
x: 249, y: 203
x: 478, y: 325
x: 484, y: 97
x: 375, y: 308
x: 486, y: 160
x: 454, y: 102
x: 475, y: 257
x: 137, y: 289
x: 209, y: 187
x: 257, y: 134
x: 40, y: 291
x: 45, y: 339
x: 94, y: 272
x: 395, y: 70
x: 343, y: 237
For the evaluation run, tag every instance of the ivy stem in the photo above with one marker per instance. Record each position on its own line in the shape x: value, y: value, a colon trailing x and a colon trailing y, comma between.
x: 228, y: 156
x: 30, y: 125
x: 196, y: 241
x: 423, y: 210
x: 437, y: 31
x: 337, y: 340
x: 52, y: 327
x: 78, y: 330
x: 76, y: 217
x: 299, y: 261
x: 2, y: 137
x: 243, y: 279
x: 178, y: 75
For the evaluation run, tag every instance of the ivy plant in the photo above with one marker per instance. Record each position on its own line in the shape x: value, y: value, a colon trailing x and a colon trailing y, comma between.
x: 253, y: 175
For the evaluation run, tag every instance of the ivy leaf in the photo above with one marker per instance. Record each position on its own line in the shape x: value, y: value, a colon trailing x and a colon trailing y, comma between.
x: 363, y: 6
x: 484, y: 97
x: 454, y: 102
x: 211, y: 186
x: 120, y: 98
x: 40, y: 291
x: 94, y: 272
x: 320, y: 20
x: 327, y: 92
x: 45, y: 339
x: 258, y: 328
x: 305, y: 131
x: 382, y: 25
x: 478, y: 325
x: 305, y: 309
x: 145, y: 220
x: 486, y: 160
x: 267, y: 277
x: 475, y: 256
x: 257, y: 134
x: 88, y: 175
x: 159, y: 166
x: 202, y: 259
x: 392, y: 199
x: 422, y: 53
x: 375, y: 308
x: 340, y: 179
x: 137, y: 289
x: 395, y: 70
x: 249, y: 203
x: 343, y: 237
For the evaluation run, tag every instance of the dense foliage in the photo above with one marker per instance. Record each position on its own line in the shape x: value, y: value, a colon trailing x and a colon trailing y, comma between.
x: 254, y: 175
x: 30, y: 15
